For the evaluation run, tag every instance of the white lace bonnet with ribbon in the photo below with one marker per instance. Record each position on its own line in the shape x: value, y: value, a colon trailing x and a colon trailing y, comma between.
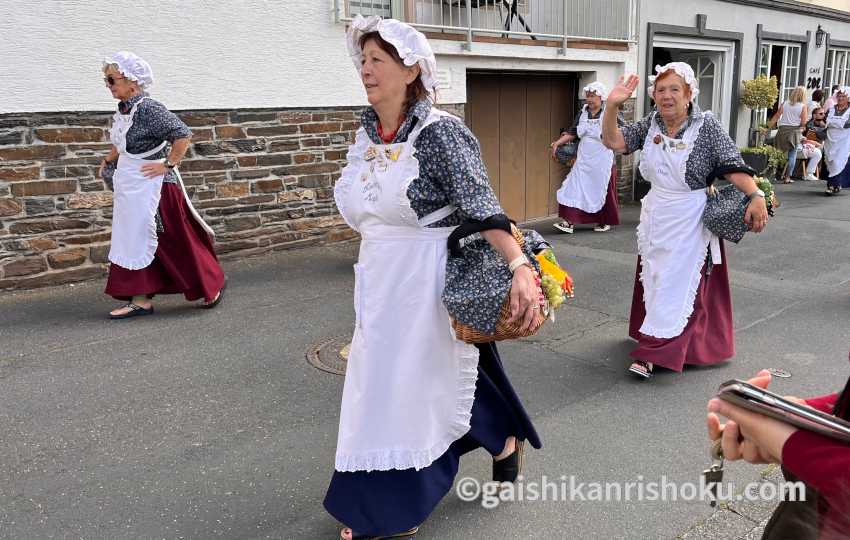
x: 843, y: 90
x: 597, y: 88
x: 683, y: 70
x: 132, y: 66
x: 411, y: 44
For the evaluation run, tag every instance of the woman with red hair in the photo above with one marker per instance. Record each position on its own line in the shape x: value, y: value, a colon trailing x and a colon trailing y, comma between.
x: 682, y: 305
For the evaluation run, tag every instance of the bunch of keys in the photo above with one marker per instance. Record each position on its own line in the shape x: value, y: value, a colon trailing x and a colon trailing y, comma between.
x: 714, y: 474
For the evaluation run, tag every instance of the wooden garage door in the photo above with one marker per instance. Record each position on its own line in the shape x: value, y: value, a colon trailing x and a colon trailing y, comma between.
x: 515, y: 117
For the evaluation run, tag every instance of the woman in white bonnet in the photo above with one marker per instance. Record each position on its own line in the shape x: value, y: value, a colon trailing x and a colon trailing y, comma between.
x: 415, y: 398
x: 682, y: 305
x: 589, y: 192
x: 160, y: 245
x: 837, y: 145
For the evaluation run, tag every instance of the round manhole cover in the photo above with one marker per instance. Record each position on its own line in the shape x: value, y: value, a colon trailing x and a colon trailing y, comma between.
x: 330, y: 354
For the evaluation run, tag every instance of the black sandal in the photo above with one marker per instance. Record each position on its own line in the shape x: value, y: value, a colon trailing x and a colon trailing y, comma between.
x: 217, y: 300
x: 135, y: 311
x: 509, y: 468
x: 641, y: 369
x: 406, y: 534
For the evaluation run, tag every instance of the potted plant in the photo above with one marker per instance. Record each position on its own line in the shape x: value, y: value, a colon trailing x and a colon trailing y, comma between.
x: 759, y: 94
x: 766, y: 160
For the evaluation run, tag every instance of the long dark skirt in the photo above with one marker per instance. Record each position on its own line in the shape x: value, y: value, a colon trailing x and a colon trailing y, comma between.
x: 387, y: 502
x: 609, y: 214
x: 842, y: 179
x: 708, y: 338
x: 184, y: 262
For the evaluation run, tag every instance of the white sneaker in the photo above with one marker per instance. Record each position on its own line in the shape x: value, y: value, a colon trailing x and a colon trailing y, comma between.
x: 564, y: 226
x: 602, y: 228
x: 810, y: 177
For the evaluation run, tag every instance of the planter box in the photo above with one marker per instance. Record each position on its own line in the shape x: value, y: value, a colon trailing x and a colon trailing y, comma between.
x: 759, y: 163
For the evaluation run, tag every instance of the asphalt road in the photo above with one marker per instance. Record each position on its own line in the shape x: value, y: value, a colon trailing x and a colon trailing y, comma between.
x: 212, y: 424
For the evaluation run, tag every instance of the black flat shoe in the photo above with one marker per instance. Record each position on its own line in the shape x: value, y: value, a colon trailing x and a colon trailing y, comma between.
x: 509, y: 468
x: 135, y: 311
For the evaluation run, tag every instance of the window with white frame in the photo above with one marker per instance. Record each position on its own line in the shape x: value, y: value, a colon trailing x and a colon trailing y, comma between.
x: 837, y: 67
x: 783, y: 61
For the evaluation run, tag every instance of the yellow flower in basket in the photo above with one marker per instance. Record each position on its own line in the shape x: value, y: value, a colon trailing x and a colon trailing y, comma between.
x: 556, y: 282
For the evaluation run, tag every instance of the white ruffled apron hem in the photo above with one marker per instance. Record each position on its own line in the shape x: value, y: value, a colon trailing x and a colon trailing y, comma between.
x: 672, y: 240
x: 586, y: 186
x: 409, y: 383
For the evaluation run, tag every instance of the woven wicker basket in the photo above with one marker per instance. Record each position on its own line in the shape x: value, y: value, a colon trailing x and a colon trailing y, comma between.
x: 504, y: 330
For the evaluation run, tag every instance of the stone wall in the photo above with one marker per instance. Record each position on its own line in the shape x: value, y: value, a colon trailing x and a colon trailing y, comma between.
x: 625, y: 164
x: 262, y: 179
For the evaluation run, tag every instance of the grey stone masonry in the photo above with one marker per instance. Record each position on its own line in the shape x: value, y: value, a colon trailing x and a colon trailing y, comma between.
x: 625, y: 163
x: 262, y: 179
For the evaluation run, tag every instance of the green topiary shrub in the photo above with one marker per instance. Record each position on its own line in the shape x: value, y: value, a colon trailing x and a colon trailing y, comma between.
x: 760, y: 93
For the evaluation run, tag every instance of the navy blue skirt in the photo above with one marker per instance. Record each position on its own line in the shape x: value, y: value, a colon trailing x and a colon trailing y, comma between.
x: 388, y: 502
x: 842, y: 179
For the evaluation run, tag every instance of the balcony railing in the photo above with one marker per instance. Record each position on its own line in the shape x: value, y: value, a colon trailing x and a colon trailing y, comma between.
x: 560, y: 20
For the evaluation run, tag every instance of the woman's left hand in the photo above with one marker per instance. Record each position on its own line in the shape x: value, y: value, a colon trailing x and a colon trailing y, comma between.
x: 154, y: 169
x: 756, y: 215
x: 747, y: 435
x: 525, y: 299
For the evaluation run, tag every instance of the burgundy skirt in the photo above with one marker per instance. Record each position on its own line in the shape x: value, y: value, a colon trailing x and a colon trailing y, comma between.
x: 184, y: 262
x: 708, y: 338
x: 609, y: 214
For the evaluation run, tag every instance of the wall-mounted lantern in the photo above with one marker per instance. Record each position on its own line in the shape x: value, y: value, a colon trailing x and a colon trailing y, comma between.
x: 819, y: 37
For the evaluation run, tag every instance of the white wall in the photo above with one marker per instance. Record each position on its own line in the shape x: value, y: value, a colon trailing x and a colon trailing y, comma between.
x: 592, y: 64
x: 736, y: 18
x: 209, y: 55
x: 205, y: 54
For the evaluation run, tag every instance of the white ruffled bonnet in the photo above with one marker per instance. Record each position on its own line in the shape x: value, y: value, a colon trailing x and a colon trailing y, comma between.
x: 683, y: 70
x: 411, y: 44
x: 843, y: 90
x: 133, y: 67
x: 597, y: 88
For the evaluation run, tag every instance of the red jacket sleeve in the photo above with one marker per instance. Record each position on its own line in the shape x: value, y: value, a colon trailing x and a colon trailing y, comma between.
x: 821, y: 462
x: 823, y: 403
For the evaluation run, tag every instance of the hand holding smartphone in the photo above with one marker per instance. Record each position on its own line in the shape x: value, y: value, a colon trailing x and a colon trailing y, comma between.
x: 764, y: 402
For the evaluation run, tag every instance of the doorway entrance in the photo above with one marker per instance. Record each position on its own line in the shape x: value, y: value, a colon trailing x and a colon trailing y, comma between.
x: 515, y: 115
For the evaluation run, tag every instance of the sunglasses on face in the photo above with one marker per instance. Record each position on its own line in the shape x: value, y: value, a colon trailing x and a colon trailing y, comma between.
x: 110, y: 80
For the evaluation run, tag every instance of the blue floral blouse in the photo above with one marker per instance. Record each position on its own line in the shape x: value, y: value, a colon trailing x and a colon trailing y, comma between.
x: 450, y: 167
x: 713, y: 149
x: 152, y: 124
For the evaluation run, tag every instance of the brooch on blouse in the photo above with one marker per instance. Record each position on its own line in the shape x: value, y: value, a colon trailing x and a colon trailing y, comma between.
x: 391, y: 154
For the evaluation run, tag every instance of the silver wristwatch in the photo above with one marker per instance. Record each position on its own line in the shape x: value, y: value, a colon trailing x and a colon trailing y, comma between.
x: 756, y: 193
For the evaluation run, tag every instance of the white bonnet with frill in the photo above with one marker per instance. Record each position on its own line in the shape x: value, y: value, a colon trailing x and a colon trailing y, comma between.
x: 411, y: 44
x: 132, y: 66
x: 597, y: 88
x: 683, y: 70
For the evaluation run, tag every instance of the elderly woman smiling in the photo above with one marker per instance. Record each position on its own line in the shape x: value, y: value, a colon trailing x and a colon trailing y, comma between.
x: 681, y: 306
x: 160, y: 245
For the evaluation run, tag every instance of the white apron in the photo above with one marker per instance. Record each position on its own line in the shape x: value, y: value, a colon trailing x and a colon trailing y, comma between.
x: 837, y: 144
x: 136, y: 199
x: 672, y: 239
x: 586, y: 186
x: 409, y: 384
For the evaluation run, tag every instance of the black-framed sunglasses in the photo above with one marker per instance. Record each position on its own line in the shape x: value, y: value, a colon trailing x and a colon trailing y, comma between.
x: 110, y: 80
